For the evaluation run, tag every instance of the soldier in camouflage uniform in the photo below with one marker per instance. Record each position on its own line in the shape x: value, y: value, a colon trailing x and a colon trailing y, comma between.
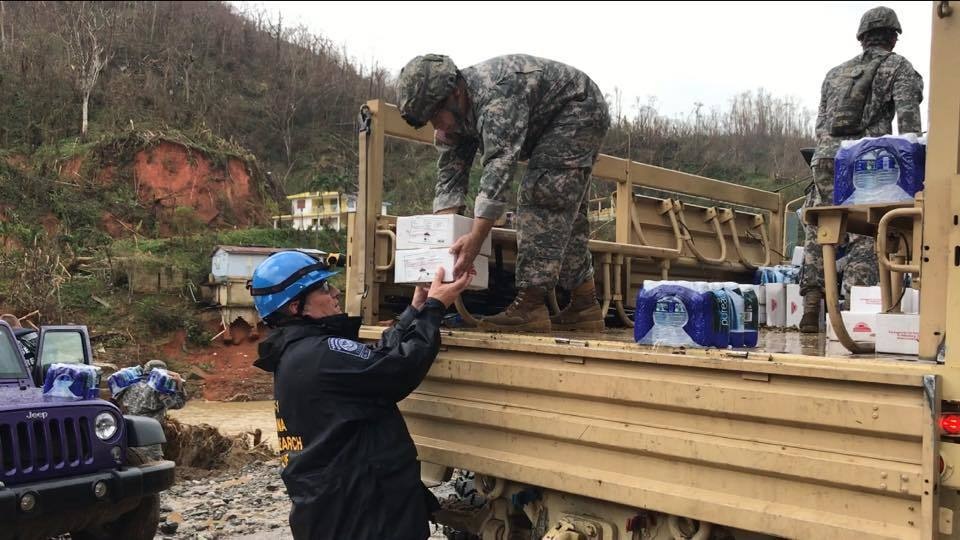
x: 512, y: 108
x: 140, y: 399
x: 849, y: 110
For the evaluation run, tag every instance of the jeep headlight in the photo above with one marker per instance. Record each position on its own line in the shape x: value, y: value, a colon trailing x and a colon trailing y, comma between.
x: 105, y: 426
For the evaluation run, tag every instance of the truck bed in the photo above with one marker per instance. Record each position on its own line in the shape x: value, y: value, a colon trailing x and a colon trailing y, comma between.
x: 772, y: 341
x: 779, y: 440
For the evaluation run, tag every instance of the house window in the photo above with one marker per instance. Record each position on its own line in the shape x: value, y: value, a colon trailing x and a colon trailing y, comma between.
x: 301, y: 204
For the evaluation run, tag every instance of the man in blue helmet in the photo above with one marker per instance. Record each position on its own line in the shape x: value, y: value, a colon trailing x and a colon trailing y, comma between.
x: 349, y: 463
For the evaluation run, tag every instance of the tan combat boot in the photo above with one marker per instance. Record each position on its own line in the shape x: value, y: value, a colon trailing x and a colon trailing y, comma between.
x: 527, y: 313
x: 810, y: 322
x: 583, y: 313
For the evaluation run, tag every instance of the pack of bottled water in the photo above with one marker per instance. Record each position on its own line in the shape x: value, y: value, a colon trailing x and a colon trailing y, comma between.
x: 696, y: 314
x: 161, y: 381
x: 72, y: 381
x: 879, y: 169
x: 784, y: 273
x: 124, y: 379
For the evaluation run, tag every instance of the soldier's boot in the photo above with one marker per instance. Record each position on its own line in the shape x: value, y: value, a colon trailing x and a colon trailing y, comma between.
x: 583, y: 313
x: 527, y: 313
x: 810, y: 322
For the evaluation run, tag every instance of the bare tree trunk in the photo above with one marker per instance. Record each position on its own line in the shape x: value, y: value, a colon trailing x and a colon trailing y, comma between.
x: 3, y: 23
x: 86, y: 108
x: 153, y: 20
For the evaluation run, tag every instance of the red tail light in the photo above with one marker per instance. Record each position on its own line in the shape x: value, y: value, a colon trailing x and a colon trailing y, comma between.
x: 950, y: 424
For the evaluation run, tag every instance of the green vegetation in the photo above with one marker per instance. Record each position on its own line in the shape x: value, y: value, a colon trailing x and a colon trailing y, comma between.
x: 227, y: 85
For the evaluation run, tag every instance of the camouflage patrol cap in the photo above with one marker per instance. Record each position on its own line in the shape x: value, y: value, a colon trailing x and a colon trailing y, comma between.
x: 878, y: 17
x: 425, y: 82
x: 154, y: 364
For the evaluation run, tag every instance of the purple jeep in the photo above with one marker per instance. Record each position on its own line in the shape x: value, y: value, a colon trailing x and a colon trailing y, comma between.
x: 70, y: 465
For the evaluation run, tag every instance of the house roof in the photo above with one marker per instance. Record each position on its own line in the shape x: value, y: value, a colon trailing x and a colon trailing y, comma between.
x: 311, y: 194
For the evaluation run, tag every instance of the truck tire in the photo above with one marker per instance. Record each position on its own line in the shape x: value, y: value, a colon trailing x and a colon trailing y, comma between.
x: 464, y: 484
x: 138, y: 524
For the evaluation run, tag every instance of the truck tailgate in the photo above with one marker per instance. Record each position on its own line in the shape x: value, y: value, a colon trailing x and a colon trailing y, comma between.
x: 788, y: 446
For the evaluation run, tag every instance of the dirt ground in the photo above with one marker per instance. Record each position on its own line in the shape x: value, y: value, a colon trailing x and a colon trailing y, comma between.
x: 220, y: 372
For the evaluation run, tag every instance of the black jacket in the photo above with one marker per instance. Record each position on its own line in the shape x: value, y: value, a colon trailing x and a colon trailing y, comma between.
x: 351, y: 468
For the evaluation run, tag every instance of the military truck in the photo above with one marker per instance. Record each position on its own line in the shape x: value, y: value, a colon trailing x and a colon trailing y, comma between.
x: 71, y: 466
x: 578, y: 436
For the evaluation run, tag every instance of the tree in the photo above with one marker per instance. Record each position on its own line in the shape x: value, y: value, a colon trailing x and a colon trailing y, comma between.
x: 88, y: 52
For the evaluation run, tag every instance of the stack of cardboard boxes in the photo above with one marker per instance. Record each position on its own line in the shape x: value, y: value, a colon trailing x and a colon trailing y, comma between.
x: 782, y: 305
x: 423, y: 244
x: 892, y: 333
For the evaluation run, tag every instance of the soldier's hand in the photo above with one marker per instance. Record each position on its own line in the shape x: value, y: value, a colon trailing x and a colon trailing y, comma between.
x: 465, y: 249
x: 447, y: 293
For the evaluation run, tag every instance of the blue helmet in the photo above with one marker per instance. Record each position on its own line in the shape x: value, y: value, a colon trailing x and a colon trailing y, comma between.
x: 283, y: 277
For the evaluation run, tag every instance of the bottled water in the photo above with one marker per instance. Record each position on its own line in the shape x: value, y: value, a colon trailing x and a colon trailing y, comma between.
x: 669, y: 318
x: 124, y: 378
x: 875, y: 177
x: 751, y: 310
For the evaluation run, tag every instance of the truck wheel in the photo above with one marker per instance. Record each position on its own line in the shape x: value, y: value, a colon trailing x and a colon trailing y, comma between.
x: 138, y: 524
x: 453, y: 534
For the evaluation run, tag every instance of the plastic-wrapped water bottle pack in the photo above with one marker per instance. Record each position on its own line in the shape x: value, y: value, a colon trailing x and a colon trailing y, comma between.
x: 72, y: 381
x: 876, y: 170
x: 696, y: 314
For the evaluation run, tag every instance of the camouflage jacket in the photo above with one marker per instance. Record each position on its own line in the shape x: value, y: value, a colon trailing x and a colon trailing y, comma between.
x: 141, y: 400
x: 897, y: 88
x: 515, y: 100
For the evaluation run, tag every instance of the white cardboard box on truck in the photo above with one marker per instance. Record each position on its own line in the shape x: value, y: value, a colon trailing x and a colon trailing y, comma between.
x: 434, y: 231
x: 776, y: 296
x: 898, y: 333
x: 860, y: 326
x: 420, y: 266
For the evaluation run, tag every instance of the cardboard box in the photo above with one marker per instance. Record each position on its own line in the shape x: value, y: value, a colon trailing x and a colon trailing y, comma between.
x: 776, y: 304
x: 420, y: 266
x: 898, y: 333
x: 865, y: 300
x: 860, y: 326
x: 432, y: 231
x: 794, y: 306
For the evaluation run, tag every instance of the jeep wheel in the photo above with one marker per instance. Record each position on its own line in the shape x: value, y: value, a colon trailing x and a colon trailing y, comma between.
x: 138, y: 524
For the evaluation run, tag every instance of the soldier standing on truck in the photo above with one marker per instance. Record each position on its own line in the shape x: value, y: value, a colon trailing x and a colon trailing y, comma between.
x: 511, y: 108
x: 349, y: 463
x: 858, y: 99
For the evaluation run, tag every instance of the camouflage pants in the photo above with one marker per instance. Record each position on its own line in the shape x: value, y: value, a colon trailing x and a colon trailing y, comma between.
x: 552, y: 225
x: 552, y: 229
x: 861, y: 267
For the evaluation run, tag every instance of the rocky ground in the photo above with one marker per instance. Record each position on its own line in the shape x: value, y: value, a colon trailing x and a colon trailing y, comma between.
x: 245, y: 503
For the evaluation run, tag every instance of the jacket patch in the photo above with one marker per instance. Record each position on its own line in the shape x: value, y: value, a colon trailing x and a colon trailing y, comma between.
x: 350, y: 347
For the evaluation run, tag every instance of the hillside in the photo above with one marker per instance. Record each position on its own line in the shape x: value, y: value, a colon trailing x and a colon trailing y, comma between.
x: 287, y: 96
x: 145, y: 133
x: 291, y: 97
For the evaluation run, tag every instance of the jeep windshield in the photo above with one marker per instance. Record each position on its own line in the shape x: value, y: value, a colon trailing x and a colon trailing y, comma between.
x: 10, y: 365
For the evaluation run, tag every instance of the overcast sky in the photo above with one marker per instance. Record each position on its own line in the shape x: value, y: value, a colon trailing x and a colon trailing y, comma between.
x: 677, y: 52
